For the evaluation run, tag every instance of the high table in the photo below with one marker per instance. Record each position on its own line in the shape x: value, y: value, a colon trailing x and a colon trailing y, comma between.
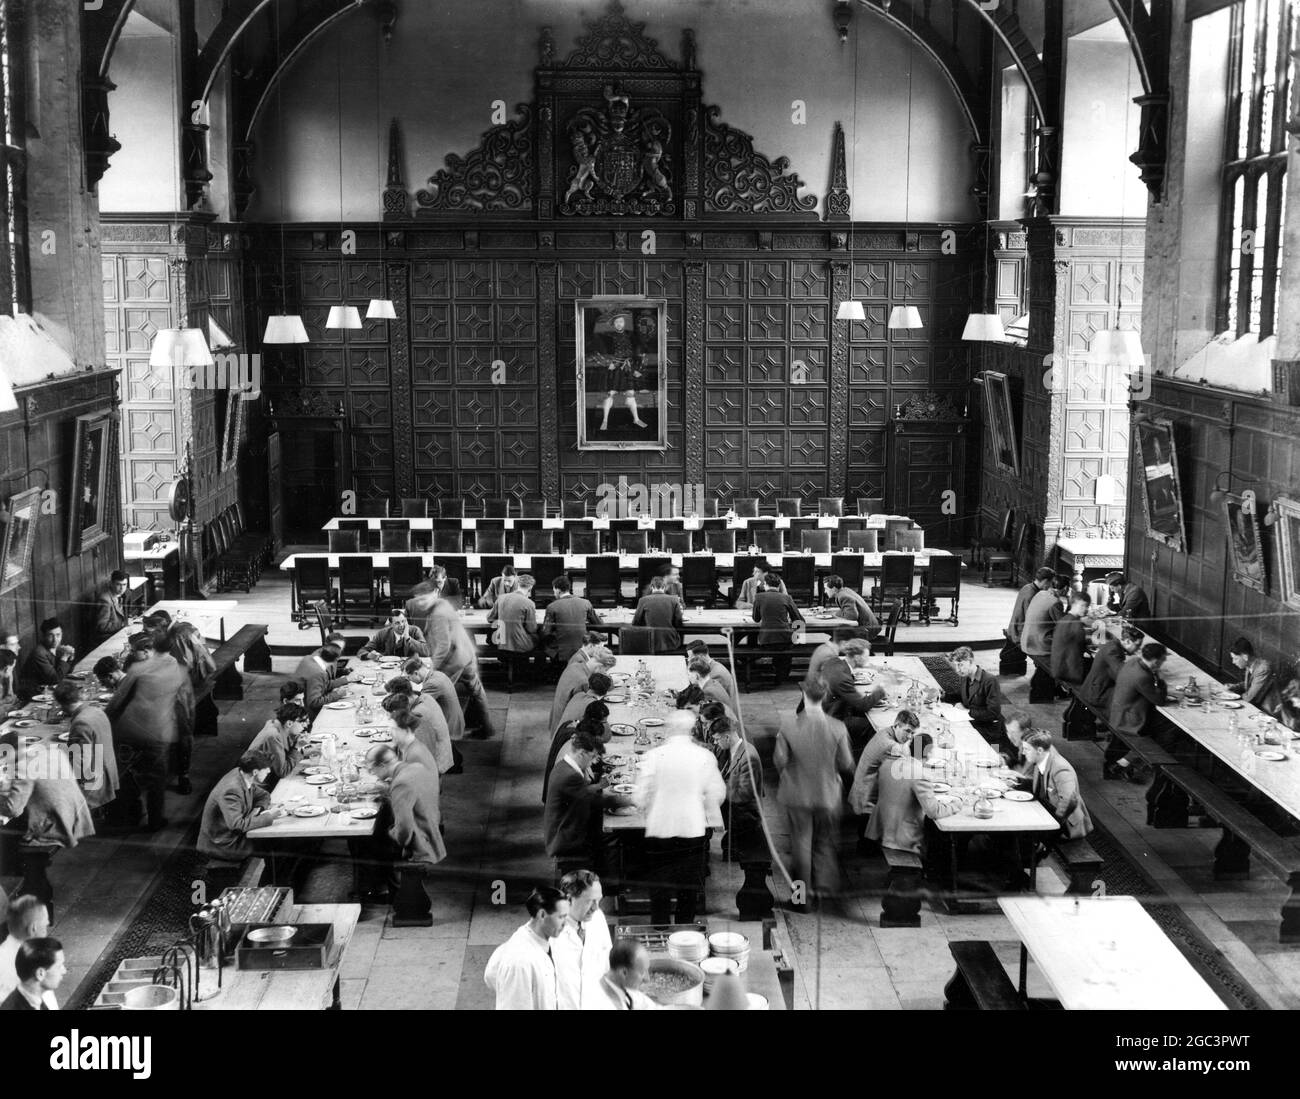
x: 287, y: 989
x: 824, y: 522
x: 972, y: 762
x: 1105, y: 953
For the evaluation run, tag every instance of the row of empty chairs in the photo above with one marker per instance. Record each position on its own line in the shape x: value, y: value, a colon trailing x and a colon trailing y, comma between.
x: 445, y: 507
x: 359, y: 588
x: 353, y: 536
x: 232, y: 554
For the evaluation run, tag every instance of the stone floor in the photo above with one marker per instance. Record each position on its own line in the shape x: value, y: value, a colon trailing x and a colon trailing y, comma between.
x: 494, y: 817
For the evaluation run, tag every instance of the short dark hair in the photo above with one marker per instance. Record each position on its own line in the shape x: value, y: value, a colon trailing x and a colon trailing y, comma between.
x: 36, y: 954
x: 380, y: 753
x: 508, y: 570
x: 105, y: 665
x: 665, y: 569
x: 1153, y: 650
x: 711, y: 709
x: 330, y: 652
x: 290, y: 711
x: 577, y: 882
x: 161, y: 641
x: 543, y: 899
x: 21, y: 915
x: 1044, y: 573
x: 254, y: 761
x: 1019, y: 717
x: 583, y: 740
x: 117, y: 576
x: 908, y: 718
x: 396, y: 702
x: 1039, y: 738
x: 290, y: 688
x: 561, y: 583
x: 413, y: 664
x: 401, y: 685
x: 66, y: 691
x: 7, y: 658
x: 834, y: 581
x: 698, y: 646
x: 1131, y: 633
x: 1062, y: 582
x: 404, y: 719
x: 622, y: 955
x: 1242, y: 647
x: 1116, y: 579
x: 49, y: 625
x: 599, y: 683
x: 591, y: 637
x: 814, y: 690
x: 156, y: 618
x: 595, y: 711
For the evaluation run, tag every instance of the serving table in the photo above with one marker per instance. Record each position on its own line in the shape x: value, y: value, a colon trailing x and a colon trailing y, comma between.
x: 1105, y: 953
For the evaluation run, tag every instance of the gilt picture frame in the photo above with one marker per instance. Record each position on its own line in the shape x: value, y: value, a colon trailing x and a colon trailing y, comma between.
x: 1001, y: 421
x: 18, y: 538
x: 1162, y: 496
x: 91, y: 491
x: 1245, y: 546
x: 1286, y: 538
x: 622, y: 377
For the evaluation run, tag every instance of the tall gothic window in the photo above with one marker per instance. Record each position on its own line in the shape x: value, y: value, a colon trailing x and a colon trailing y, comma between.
x: 14, y: 284
x: 1254, y: 170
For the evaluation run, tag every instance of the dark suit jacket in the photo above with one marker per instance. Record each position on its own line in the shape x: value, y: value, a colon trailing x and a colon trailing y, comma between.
x: 852, y: 605
x: 775, y: 611
x: 110, y: 613
x: 1041, y: 616
x: 1100, y: 680
x: 842, y: 698
x: 572, y: 819
x: 16, y: 1001
x: 904, y: 798
x: 316, y: 682
x: 1133, y: 604
x: 233, y: 809
x: 565, y: 624
x: 1069, y: 647
x: 154, y: 703
x: 1137, y: 690
x: 386, y: 643
x: 517, y: 615
x: 1017, y: 623
x: 982, y: 696
x: 44, y: 669
x: 663, y: 614
x: 413, y: 796
x: 1259, y: 686
x: 1058, y: 789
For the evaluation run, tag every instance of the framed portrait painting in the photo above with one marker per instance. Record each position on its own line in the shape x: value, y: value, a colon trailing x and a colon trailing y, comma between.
x: 17, y: 537
x: 1000, y: 418
x: 1245, y: 549
x: 91, y: 490
x: 622, y: 349
x: 1162, y: 498
x: 1286, y: 536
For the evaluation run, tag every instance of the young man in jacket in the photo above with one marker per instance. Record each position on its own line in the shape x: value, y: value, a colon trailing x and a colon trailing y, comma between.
x: 1069, y: 660
x: 237, y: 805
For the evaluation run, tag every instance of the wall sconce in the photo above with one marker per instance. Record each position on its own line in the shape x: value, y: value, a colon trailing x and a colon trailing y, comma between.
x: 1220, y: 489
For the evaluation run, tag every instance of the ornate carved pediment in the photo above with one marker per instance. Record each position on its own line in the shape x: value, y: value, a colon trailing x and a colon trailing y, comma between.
x: 620, y: 161
x: 614, y: 42
x: 928, y: 405
x: 311, y: 404
x: 495, y: 177
x: 738, y: 180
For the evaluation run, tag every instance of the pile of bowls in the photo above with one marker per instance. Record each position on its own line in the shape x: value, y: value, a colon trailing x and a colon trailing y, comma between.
x: 688, y: 946
x: 731, y: 945
x: 714, y: 968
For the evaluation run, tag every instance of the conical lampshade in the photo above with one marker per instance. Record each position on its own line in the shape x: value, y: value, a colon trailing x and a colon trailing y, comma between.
x: 8, y: 402
x: 179, y: 347
x: 381, y: 309
x: 284, y: 328
x: 905, y: 316
x: 984, y: 326
x: 343, y: 316
x: 850, y: 310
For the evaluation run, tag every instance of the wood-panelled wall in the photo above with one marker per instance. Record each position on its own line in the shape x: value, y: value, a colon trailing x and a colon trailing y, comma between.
x: 746, y: 304
x: 1200, y: 608
x: 36, y: 450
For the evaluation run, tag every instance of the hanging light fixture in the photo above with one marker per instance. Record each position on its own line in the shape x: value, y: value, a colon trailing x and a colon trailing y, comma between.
x: 986, y: 327
x: 341, y: 316
x: 380, y: 309
x: 179, y: 347
x: 282, y: 327
x: 907, y: 316
x: 850, y: 309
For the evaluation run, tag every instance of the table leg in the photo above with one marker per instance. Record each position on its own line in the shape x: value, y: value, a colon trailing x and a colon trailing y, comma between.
x: 1024, y: 970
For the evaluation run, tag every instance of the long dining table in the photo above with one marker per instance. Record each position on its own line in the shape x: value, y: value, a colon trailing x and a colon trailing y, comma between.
x: 596, y: 522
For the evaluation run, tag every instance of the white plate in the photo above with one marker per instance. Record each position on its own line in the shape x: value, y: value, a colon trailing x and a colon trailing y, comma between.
x: 309, y: 811
x: 26, y: 723
x: 364, y: 814
x: 623, y: 788
x: 616, y: 698
x: 1274, y: 757
x: 320, y: 780
x: 621, y: 729
x: 1232, y: 705
x: 338, y: 705
x: 940, y: 787
x: 315, y: 769
x: 1018, y: 795
x: 623, y: 811
x: 380, y: 737
x: 652, y: 722
x: 1230, y: 696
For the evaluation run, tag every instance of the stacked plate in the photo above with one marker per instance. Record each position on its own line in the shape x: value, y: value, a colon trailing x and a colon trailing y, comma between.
x: 688, y: 946
x: 731, y: 945
x: 714, y: 968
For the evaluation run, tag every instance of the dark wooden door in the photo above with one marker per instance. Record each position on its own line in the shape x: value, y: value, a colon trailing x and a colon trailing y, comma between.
x: 928, y: 475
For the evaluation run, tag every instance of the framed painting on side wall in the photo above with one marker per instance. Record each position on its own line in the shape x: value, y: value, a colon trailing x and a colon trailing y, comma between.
x: 1162, y: 498
x: 1000, y: 418
x: 1245, y: 549
x: 17, y: 537
x: 91, y: 492
x: 1286, y: 536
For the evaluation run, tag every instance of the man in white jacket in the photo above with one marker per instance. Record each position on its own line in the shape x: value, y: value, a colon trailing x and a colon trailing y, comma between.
x: 581, y: 949
x: 681, y: 793
x: 522, y: 970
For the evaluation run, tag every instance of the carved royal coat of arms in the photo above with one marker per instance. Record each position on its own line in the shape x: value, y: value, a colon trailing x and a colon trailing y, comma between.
x: 621, y: 161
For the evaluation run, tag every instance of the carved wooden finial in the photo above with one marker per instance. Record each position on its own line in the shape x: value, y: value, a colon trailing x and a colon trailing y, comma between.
x: 838, y: 201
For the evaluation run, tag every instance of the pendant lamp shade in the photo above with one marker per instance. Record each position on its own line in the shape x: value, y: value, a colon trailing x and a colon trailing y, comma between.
x: 905, y: 316
x: 381, y: 309
x: 179, y: 347
x: 1120, y: 346
x: 284, y: 328
x: 8, y: 402
x: 850, y: 310
x: 343, y: 316
x: 984, y: 326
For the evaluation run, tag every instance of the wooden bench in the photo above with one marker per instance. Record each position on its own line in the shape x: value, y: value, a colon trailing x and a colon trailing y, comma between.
x: 901, y: 904
x: 747, y: 656
x: 1243, y: 833
x: 981, y: 982
x: 1081, y: 863
x: 225, y: 682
